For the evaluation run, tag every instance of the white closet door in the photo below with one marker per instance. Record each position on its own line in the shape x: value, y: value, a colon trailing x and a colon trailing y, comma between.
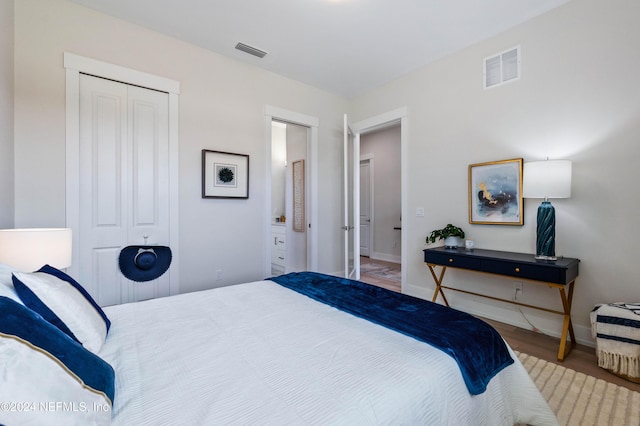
x: 124, y: 184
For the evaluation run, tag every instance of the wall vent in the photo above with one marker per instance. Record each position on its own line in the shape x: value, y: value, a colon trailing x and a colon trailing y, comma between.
x: 501, y: 68
x: 251, y: 50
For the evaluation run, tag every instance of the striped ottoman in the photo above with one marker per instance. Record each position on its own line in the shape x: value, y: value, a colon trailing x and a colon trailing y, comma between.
x: 616, y: 330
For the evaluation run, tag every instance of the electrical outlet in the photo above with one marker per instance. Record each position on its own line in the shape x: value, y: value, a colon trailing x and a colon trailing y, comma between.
x: 218, y: 274
x: 517, y: 290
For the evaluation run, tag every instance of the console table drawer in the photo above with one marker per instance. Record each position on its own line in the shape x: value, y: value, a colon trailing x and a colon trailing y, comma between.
x: 453, y: 261
x: 524, y: 271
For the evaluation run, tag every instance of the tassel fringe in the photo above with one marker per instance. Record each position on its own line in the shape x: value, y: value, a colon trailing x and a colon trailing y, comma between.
x: 619, y: 364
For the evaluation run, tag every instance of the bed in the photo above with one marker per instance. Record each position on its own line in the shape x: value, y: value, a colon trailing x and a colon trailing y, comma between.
x: 263, y: 353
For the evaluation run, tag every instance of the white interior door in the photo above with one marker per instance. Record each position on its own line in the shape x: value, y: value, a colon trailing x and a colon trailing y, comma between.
x: 351, y: 217
x: 366, y: 210
x: 124, y: 184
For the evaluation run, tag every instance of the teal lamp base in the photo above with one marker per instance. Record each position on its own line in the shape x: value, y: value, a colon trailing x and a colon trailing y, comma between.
x: 546, y: 232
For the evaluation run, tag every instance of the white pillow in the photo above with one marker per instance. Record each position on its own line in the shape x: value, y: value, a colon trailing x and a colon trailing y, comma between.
x: 36, y: 384
x: 62, y: 305
x: 6, y: 285
x: 45, y: 377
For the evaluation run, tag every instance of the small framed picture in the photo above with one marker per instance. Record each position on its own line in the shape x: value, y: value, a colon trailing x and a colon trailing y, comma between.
x: 298, y: 196
x: 224, y: 175
x: 495, y: 193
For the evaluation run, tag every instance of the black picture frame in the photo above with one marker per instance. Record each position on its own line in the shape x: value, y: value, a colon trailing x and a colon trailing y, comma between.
x: 225, y: 174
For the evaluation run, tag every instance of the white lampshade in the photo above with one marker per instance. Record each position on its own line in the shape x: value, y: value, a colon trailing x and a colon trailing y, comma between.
x: 547, y: 179
x: 29, y: 249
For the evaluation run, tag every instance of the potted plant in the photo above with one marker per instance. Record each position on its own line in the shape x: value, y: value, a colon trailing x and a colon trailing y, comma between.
x: 450, y: 234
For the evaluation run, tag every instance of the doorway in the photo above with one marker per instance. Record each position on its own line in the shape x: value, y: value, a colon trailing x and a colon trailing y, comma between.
x: 380, y: 207
x: 288, y: 197
x: 306, y: 128
x: 352, y: 135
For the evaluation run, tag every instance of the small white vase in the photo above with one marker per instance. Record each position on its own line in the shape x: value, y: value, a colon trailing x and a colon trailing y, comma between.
x: 451, y: 242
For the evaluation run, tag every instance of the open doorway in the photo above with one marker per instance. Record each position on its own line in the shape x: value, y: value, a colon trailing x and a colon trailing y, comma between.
x: 351, y: 166
x: 381, y: 207
x: 288, y: 197
x: 307, y: 126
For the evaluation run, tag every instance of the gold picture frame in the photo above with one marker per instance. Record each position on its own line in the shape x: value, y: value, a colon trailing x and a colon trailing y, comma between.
x: 495, y: 193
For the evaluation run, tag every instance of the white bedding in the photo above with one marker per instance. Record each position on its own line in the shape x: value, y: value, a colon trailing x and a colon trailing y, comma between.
x: 259, y: 353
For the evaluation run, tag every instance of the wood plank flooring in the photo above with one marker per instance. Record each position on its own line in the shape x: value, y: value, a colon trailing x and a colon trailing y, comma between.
x: 377, y: 280
x: 582, y: 358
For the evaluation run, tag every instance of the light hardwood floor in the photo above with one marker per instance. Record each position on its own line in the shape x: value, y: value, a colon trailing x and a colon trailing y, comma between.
x: 582, y: 358
x: 377, y: 280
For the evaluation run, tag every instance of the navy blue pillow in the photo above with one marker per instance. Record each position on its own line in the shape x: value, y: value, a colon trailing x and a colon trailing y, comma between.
x: 47, y: 269
x: 18, y: 320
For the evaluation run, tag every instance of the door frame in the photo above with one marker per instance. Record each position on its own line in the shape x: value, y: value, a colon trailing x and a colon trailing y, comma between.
x: 379, y: 122
x: 311, y: 171
x: 76, y: 65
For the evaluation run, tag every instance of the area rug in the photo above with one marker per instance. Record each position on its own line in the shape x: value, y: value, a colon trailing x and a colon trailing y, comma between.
x: 381, y: 271
x: 578, y: 399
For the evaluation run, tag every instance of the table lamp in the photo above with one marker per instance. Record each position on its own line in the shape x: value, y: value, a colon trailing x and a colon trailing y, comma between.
x: 29, y: 249
x: 546, y: 179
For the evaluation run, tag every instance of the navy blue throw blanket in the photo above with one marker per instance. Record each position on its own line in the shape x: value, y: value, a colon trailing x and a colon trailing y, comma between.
x: 477, y: 348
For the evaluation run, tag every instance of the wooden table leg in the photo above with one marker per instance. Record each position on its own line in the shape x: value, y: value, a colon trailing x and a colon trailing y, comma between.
x: 438, y: 281
x: 567, y: 325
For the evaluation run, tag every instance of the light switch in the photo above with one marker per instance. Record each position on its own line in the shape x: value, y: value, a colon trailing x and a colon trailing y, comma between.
x: 419, y: 211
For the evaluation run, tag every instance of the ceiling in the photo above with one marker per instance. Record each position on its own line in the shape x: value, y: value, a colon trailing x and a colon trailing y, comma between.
x: 342, y: 46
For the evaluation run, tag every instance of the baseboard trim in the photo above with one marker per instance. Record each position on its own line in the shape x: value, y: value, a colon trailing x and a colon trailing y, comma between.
x: 385, y: 257
x: 514, y: 316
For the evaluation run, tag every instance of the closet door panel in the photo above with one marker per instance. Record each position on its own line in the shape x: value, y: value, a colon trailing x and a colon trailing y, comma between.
x: 124, y: 184
x: 103, y: 183
x: 149, y: 195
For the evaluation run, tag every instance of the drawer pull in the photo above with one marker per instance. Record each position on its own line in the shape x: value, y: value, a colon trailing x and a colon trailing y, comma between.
x: 450, y: 260
x: 517, y: 269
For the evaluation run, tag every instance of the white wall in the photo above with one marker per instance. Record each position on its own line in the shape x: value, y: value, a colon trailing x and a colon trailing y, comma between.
x: 221, y: 108
x: 6, y: 114
x: 578, y: 99
x: 384, y: 145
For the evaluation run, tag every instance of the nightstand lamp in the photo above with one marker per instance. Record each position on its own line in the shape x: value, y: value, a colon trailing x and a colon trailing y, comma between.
x: 29, y: 249
x: 546, y: 179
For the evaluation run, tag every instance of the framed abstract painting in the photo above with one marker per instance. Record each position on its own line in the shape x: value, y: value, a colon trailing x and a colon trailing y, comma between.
x: 495, y: 193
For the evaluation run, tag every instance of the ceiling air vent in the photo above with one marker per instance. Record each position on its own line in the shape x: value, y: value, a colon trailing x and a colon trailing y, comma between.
x: 251, y: 50
x: 502, y: 67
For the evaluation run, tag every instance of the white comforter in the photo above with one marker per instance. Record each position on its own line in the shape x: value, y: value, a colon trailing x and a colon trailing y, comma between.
x: 259, y: 353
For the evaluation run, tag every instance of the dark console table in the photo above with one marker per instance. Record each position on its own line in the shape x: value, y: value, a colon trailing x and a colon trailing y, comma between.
x: 560, y: 274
